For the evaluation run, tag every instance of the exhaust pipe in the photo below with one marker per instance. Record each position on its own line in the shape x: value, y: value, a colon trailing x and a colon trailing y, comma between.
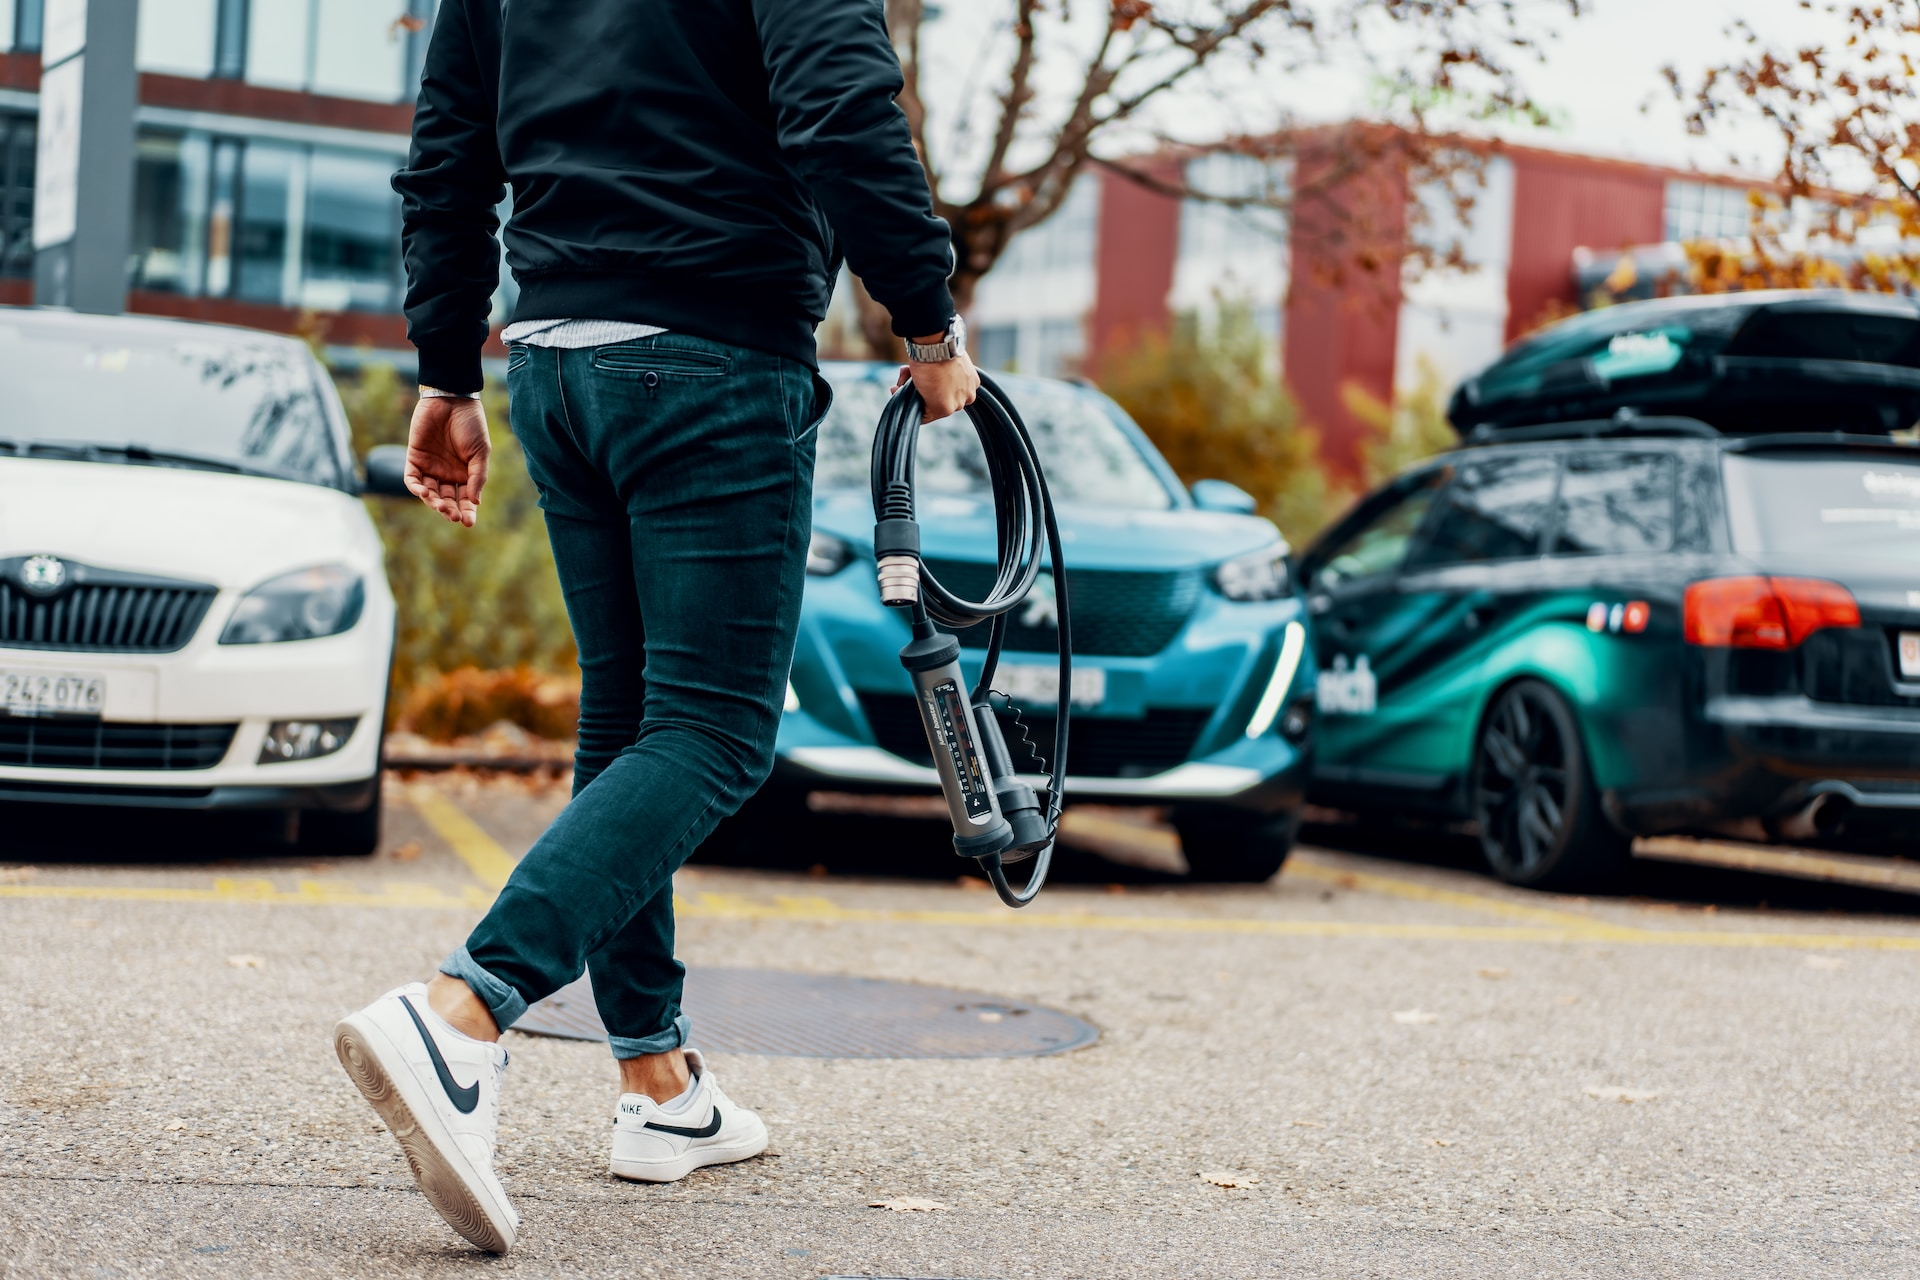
x: 1824, y: 818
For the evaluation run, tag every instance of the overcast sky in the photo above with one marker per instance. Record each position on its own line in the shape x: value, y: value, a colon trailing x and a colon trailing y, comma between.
x: 1600, y: 79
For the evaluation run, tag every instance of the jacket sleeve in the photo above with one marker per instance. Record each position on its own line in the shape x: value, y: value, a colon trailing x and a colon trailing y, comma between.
x: 449, y: 190
x: 832, y: 77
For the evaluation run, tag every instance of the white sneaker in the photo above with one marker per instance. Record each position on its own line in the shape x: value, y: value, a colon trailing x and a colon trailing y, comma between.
x: 410, y: 1063
x: 652, y: 1145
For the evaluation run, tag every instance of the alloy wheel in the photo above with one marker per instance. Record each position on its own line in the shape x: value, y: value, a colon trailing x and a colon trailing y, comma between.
x: 1523, y: 794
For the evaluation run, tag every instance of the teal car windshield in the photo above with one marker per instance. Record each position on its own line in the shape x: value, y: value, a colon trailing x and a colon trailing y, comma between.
x: 1859, y: 508
x: 1087, y: 457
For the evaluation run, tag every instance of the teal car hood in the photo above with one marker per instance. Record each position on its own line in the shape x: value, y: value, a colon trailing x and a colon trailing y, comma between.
x: 959, y: 528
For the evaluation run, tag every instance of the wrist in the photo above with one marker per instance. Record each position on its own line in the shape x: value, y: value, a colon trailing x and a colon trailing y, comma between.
x: 949, y: 344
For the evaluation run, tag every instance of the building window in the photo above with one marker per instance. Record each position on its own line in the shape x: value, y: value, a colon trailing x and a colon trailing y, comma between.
x: 265, y: 221
x: 353, y: 234
x: 17, y: 143
x: 1702, y: 211
x: 230, y: 39
x: 1065, y: 241
x: 1228, y: 233
x: 29, y: 17
x: 997, y: 346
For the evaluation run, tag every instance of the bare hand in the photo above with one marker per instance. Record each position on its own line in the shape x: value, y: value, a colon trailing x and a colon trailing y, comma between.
x: 447, y: 452
x: 947, y: 386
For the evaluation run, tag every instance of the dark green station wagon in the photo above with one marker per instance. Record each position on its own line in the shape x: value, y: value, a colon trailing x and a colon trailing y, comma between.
x: 1670, y: 584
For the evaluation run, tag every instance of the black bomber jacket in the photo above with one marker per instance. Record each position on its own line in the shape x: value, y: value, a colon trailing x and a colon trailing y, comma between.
x: 696, y: 164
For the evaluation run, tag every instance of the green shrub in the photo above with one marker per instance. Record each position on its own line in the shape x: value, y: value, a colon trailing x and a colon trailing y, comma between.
x: 1211, y: 399
x: 484, y: 597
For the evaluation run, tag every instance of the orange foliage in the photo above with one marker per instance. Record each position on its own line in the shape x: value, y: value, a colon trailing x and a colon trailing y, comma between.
x: 443, y: 707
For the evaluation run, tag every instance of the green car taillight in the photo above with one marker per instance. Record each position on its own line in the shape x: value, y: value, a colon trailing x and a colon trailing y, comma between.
x: 1752, y: 612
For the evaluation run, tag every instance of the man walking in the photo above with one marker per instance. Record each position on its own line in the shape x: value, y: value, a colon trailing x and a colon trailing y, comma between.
x: 686, y: 175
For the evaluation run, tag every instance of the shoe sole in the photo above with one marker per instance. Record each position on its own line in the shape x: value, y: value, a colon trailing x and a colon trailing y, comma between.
x: 695, y: 1158
x: 439, y: 1166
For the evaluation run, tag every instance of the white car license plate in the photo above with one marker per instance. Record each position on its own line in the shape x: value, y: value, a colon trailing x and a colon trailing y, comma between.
x: 1910, y: 655
x: 1033, y: 685
x: 51, y: 693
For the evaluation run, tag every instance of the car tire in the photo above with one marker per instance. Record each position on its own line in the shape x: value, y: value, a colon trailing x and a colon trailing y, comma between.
x: 1234, y: 846
x: 336, y: 834
x: 1534, y: 798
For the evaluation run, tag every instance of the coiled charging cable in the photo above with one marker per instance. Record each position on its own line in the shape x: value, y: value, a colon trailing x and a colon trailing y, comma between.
x: 996, y: 817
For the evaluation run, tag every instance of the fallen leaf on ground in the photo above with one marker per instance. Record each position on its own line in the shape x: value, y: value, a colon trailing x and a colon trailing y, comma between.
x: 1229, y: 1179
x: 1825, y: 962
x: 406, y: 852
x: 1441, y: 1142
x: 1309, y: 1124
x: 246, y: 962
x: 908, y: 1204
x: 1566, y: 999
x: 175, y: 1127
x: 1493, y: 971
x: 1609, y: 1093
x: 971, y: 882
x: 14, y: 875
x: 1415, y: 1017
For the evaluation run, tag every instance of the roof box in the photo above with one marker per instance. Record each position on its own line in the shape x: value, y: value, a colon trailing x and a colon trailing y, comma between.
x: 1744, y: 363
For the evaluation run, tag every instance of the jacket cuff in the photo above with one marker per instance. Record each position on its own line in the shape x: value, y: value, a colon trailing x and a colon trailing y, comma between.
x: 453, y: 367
x: 920, y: 314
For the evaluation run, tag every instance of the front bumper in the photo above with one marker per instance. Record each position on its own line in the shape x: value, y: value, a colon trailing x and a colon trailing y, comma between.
x: 1218, y: 669
x: 249, y: 686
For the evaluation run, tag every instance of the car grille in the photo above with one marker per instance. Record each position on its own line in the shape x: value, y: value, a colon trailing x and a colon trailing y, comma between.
x: 104, y: 617
x: 1116, y: 613
x: 1096, y: 748
x: 105, y: 744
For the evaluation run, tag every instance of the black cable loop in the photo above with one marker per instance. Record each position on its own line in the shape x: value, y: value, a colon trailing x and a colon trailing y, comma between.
x: 1020, y: 493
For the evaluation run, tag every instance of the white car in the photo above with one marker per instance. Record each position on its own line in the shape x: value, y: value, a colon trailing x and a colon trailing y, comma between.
x: 194, y: 610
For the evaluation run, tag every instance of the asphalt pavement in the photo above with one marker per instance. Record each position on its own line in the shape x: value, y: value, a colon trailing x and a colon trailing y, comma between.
x: 1379, y: 1064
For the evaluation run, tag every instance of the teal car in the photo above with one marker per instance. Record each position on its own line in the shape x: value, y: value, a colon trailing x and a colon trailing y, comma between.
x: 1192, y: 674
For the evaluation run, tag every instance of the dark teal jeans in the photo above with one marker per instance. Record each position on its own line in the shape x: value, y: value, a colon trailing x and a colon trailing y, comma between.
x: 676, y: 475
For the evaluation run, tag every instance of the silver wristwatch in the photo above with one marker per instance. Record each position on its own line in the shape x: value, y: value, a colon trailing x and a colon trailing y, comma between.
x: 948, y: 349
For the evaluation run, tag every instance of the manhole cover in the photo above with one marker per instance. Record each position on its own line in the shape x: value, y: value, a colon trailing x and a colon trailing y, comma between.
x: 804, y: 1015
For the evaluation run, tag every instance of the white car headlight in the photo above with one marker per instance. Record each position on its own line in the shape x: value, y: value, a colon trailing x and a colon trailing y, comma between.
x: 303, y: 605
x: 1260, y: 576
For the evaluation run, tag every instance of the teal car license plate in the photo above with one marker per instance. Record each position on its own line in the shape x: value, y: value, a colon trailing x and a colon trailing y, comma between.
x: 1036, y: 684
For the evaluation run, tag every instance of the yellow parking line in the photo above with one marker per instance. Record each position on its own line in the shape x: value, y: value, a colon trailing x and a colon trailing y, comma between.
x: 1307, y: 868
x: 480, y: 851
x: 308, y: 893
x: 493, y: 864
x: 818, y: 910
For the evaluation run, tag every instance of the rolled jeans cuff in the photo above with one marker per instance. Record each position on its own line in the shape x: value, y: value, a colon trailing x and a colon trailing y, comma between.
x: 506, y: 1003
x: 659, y: 1042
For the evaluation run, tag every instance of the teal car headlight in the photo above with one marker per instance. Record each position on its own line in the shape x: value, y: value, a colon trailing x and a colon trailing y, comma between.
x: 304, y: 605
x: 827, y: 555
x: 1259, y: 576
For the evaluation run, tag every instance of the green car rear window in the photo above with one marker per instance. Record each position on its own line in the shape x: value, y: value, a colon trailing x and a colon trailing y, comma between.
x: 1865, y: 507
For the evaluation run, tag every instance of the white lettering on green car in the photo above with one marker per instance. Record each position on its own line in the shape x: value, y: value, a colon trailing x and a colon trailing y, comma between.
x: 1341, y: 691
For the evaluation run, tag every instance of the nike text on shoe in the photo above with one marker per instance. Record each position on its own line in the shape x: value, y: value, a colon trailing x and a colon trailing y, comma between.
x: 439, y: 1092
x: 652, y: 1145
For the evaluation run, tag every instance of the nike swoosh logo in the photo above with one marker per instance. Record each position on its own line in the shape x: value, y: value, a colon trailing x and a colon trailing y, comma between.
x: 463, y: 1098
x: 707, y: 1131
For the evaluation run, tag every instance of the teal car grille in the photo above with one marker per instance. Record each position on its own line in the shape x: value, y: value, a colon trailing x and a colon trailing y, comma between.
x: 1096, y: 748
x: 1116, y: 613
